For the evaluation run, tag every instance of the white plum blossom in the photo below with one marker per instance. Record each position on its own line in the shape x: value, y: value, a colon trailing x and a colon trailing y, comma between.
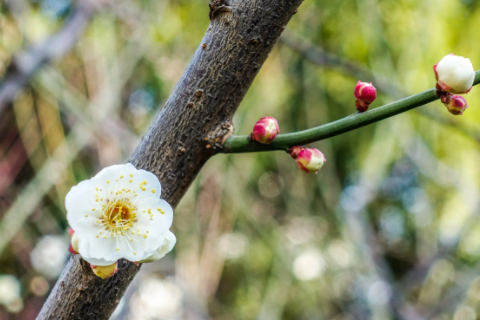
x: 119, y: 214
x: 454, y: 74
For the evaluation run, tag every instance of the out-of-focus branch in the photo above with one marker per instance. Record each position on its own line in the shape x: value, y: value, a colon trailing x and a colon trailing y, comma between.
x: 240, y: 144
x: 26, y: 63
x: 320, y: 57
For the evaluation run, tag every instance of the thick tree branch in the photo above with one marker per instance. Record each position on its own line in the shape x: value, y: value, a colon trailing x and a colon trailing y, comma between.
x: 237, y: 43
x: 241, y: 144
x: 26, y: 63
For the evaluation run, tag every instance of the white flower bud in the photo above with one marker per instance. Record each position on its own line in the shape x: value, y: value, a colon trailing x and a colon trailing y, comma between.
x: 454, y: 74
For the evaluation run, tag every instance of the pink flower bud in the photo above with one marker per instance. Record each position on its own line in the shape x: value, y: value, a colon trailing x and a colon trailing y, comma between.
x: 456, y: 104
x: 294, y: 151
x: 104, y: 272
x: 265, y: 130
x: 310, y: 160
x: 365, y: 93
x: 454, y: 74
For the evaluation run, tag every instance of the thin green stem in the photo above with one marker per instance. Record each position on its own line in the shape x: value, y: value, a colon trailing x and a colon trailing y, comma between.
x: 241, y: 144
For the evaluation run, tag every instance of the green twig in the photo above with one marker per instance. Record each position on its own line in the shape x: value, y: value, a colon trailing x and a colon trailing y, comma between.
x: 241, y: 144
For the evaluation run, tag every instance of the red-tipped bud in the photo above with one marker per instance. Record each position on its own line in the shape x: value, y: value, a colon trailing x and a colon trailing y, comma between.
x: 456, y: 104
x: 104, y: 272
x: 365, y: 93
x: 454, y: 74
x: 73, y: 248
x: 265, y: 130
x: 294, y: 151
x: 310, y: 160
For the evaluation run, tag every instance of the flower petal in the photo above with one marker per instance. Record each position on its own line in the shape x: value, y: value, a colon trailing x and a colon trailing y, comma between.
x: 146, y: 184
x: 98, y: 251
x: 167, y: 246
x: 114, y: 178
x: 161, y: 221
x: 82, y: 209
x: 98, y: 262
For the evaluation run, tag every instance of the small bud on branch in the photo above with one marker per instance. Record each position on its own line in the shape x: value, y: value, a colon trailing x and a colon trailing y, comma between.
x: 310, y: 160
x: 73, y: 248
x: 456, y: 104
x: 265, y: 130
x: 365, y: 93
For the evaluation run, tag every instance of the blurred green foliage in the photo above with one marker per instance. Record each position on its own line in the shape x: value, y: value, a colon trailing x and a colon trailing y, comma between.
x: 387, y: 230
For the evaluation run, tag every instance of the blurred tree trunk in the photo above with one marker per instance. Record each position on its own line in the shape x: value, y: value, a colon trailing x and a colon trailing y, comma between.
x: 186, y: 133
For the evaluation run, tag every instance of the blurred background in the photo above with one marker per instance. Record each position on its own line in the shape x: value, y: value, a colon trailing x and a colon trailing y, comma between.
x: 388, y: 229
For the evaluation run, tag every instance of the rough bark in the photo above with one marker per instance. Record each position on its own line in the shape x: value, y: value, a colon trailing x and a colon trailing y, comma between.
x: 240, y: 37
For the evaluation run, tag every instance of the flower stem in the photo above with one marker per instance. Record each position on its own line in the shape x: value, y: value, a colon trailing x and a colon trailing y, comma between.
x: 241, y: 144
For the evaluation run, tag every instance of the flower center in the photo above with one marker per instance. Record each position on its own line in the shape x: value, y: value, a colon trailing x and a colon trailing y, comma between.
x: 118, y: 217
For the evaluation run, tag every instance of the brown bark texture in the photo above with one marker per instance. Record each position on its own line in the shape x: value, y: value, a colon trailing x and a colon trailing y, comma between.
x: 186, y: 133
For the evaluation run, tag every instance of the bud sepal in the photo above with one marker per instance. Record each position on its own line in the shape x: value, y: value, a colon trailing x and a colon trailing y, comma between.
x: 104, y: 272
x: 294, y: 151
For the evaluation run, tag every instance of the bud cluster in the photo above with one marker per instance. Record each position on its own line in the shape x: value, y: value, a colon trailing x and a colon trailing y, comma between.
x: 454, y: 75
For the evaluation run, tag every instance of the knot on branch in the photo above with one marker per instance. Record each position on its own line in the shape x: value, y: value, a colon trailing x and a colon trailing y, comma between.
x: 216, y: 138
x: 217, y: 7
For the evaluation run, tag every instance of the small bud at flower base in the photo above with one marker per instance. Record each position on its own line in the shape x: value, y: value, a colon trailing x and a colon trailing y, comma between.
x: 454, y: 74
x: 310, y: 160
x: 365, y: 93
x: 73, y: 248
x: 265, y: 130
x: 104, y: 272
x: 294, y: 151
x: 456, y: 104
